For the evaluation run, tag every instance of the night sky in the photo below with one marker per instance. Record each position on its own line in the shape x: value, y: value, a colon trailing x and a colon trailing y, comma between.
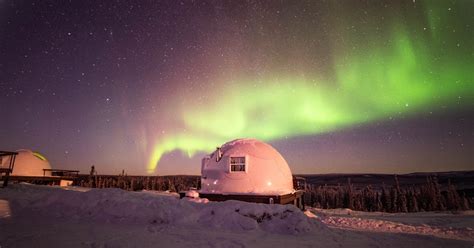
x: 151, y: 86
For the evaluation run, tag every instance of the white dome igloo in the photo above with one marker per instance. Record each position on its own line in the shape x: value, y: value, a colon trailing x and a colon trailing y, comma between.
x: 28, y: 163
x: 246, y: 166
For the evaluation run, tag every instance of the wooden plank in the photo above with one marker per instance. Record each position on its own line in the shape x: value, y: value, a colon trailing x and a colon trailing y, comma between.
x: 61, y: 170
x: 246, y: 198
x: 7, y: 153
x: 292, y: 198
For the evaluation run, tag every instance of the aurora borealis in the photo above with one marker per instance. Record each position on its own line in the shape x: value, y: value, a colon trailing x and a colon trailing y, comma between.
x: 335, y: 86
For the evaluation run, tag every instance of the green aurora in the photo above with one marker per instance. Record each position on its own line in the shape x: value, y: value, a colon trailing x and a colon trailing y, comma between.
x: 408, y: 72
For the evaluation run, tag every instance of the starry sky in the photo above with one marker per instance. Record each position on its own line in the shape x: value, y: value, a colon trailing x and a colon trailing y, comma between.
x: 152, y: 86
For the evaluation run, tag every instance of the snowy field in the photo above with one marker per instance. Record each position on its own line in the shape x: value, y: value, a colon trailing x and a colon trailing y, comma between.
x: 42, y: 216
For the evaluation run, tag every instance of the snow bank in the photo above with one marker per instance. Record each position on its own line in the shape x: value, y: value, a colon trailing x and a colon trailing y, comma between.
x: 376, y: 222
x: 38, y: 216
x: 118, y: 206
x: 239, y: 215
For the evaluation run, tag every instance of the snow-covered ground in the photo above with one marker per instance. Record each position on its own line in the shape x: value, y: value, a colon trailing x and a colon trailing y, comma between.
x: 443, y: 225
x: 42, y: 216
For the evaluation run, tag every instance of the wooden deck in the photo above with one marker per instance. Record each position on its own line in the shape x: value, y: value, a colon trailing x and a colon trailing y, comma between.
x: 295, y: 198
x: 5, y: 175
x: 6, y: 171
x: 61, y: 173
x: 41, y: 180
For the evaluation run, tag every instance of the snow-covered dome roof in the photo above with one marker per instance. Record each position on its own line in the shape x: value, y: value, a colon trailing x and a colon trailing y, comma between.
x: 246, y: 166
x: 28, y: 163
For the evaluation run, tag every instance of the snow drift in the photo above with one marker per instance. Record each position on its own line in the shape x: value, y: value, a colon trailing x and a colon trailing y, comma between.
x: 119, y: 206
x: 43, y: 216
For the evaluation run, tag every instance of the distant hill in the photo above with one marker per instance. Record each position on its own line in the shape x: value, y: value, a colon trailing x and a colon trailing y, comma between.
x: 461, y: 179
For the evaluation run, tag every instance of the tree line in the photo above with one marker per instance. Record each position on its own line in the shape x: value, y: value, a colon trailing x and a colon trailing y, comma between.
x: 135, y: 183
x: 430, y: 196
x: 415, y: 198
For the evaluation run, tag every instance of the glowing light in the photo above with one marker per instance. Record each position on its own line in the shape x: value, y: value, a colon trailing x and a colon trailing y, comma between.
x: 402, y: 77
x: 38, y: 155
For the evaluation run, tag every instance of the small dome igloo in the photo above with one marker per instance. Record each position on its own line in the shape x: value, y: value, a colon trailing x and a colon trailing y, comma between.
x: 246, y: 166
x: 28, y: 163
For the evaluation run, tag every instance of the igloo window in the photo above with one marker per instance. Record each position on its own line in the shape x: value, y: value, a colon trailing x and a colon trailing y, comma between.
x: 237, y: 164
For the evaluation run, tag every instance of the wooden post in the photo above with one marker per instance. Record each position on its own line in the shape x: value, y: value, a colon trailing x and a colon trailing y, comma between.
x: 5, y: 182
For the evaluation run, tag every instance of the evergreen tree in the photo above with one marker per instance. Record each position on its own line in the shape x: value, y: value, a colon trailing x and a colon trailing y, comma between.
x: 379, y: 203
x: 394, y: 198
x: 386, y: 200
x: 453, y: 201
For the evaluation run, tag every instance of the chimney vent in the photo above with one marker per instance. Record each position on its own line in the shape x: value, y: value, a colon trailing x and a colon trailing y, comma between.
x: 218, y: 154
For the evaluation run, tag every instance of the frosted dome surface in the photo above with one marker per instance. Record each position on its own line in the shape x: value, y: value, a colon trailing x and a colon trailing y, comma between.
x: 266, y: 171
x: 28, y: 163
